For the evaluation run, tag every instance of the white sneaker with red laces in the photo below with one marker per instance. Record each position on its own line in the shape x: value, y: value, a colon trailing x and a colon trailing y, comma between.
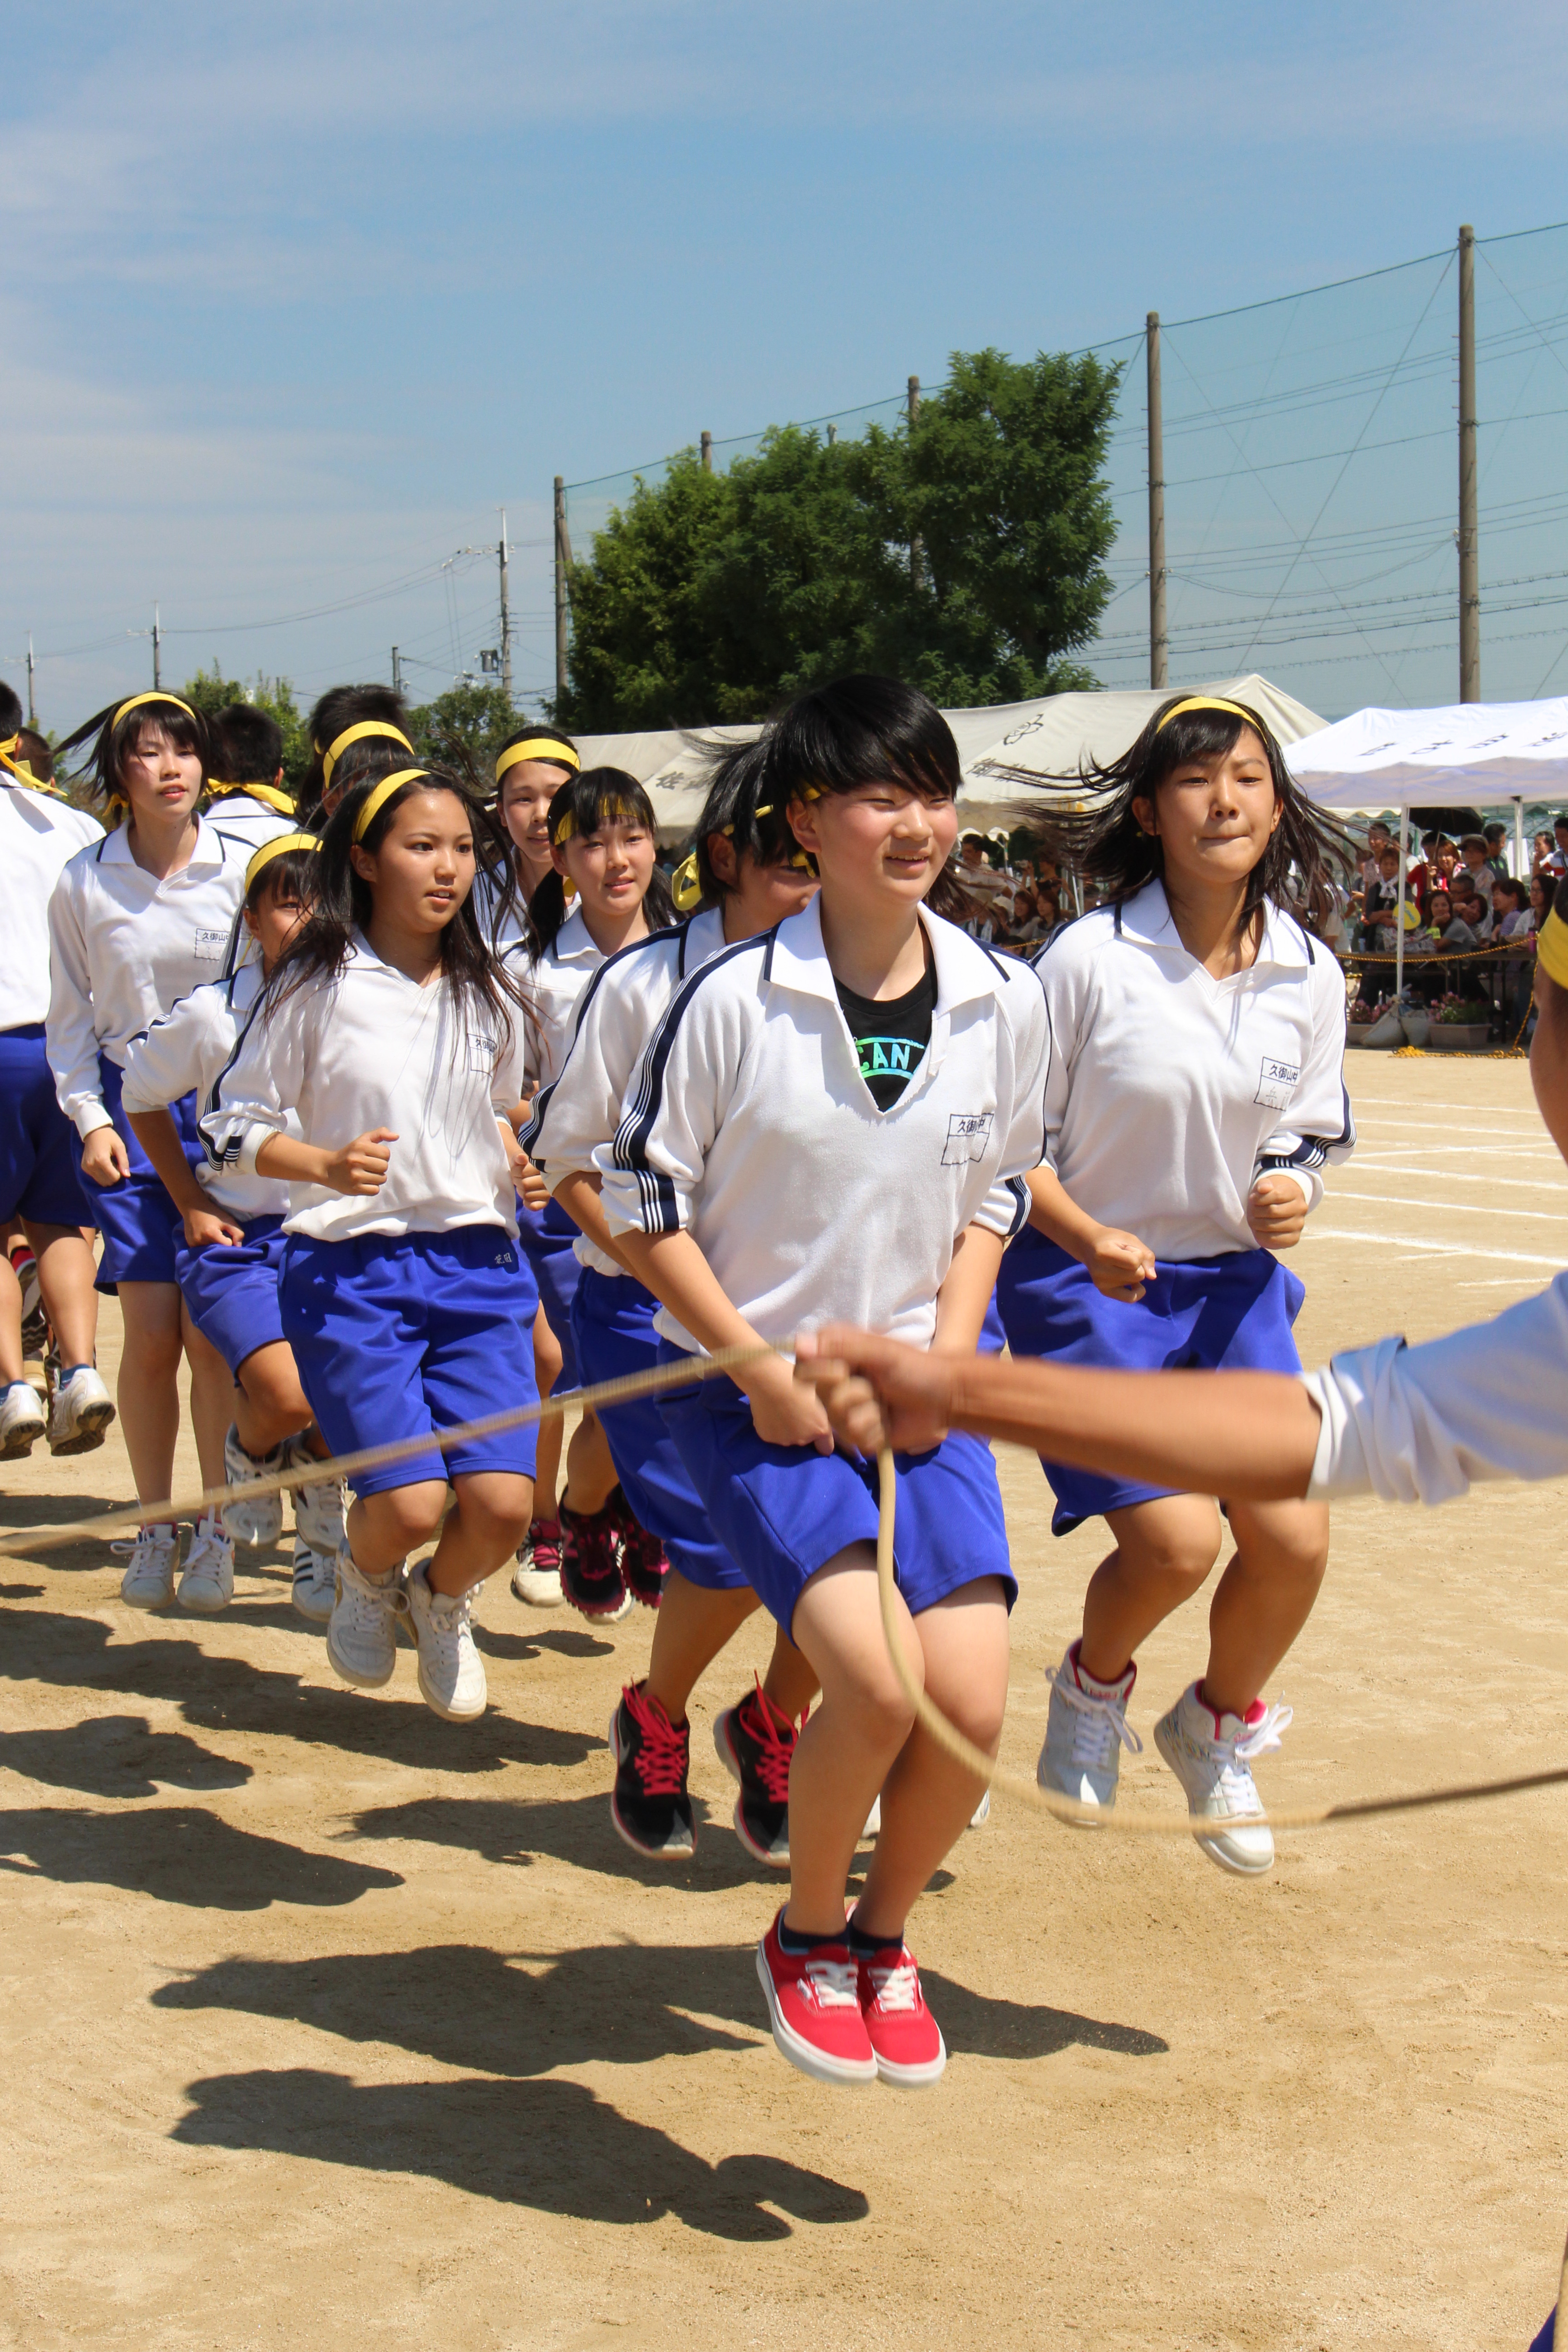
x: 905, y: 2038
x: 813, y: 2004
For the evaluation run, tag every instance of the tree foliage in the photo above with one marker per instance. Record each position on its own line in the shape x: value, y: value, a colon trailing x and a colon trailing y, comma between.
x: 209, y: 692
x: 965, y: 554
x: 464, y: 726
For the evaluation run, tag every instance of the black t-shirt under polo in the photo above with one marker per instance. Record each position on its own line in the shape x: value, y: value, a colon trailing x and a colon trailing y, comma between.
x: 890, y: 1037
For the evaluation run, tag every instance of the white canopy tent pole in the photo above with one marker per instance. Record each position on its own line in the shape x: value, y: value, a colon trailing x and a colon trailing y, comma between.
x: 1399, y: 932
x: 1520, y: 869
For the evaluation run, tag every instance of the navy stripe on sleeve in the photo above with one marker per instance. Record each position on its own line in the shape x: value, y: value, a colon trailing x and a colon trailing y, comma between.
x: 661, y: 1208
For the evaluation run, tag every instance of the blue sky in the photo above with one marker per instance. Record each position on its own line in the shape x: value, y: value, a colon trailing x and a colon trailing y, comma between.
x: 294, y: 298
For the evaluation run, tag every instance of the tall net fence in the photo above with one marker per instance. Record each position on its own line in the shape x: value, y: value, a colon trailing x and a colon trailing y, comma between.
x: 1311, y: 485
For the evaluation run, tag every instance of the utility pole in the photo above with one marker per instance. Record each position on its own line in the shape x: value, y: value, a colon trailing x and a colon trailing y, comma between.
x: 917, y: 547
x: 396, y: 677
x: 1159, y: 642
x: 1469, y: 550
x: 833, y: 436
x: 505, y: 620
x: 157, y: 647
x: 707, y: 453
x: 563, y: 586
x: 32, y: 707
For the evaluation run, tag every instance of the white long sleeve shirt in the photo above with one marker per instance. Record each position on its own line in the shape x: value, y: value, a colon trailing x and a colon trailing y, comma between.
x: 555, y: 982
x: 371, y: 1048
x: 1172, y: 1092
x: 124, y: 946
x: 38, y: 838
x: 618, y: 1014
x: 749, y: 1124
x: 252, y: 821
x: 192, y: 1047
x: 1422, y: 1425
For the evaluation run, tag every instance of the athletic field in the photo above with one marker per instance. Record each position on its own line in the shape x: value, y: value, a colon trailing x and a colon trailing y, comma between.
x: 328, y: 2025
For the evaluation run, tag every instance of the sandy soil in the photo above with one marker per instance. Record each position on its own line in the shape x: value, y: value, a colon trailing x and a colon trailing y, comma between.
x: 328, y: 2023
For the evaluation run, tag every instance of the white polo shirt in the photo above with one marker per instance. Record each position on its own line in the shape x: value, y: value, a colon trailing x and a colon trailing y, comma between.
x: 250, y: 821
x: 555, y: 982
x: 1172, y: 1092
x: 192, y: 1047
x: 371, y: 1048
x: 749, y: 1124
x: 124, y: 946
x: 616, y: 1015
x: 38, y: 838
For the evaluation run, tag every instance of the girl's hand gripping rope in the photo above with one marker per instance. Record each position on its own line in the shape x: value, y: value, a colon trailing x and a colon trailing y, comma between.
x: 875, y: 1392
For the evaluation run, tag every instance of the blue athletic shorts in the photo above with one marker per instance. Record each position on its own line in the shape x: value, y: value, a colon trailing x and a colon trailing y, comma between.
x: 546, y: 1237
x: 140, y: 1226
x: 398, y: 1334
x: 38, y: 1178
x: 232, y: 1290
x: 992, y: 1338
x: 784, y: 1511
x: 1231, y: 1313
x: 611, y: 1323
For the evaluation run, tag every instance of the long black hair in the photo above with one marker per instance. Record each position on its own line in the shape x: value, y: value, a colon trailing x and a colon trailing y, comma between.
x: 864, y: 731
x: 598, y: 796
x: 1095, y: 832
x: 115, y: 733
x: 481, y: 982
x: 737, y: 807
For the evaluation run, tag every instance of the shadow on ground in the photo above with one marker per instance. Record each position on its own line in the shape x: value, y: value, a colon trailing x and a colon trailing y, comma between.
x: 550, y: 2145
x: 179, y: 1854
x: 578, y: 1829
x: 117, y: 1756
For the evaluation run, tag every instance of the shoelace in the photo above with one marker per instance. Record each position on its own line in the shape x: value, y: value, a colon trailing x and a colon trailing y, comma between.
x: 832, y: 1984
x: 134, y: 1544
x: 450, y: 1612
x: 1235, y: 1757
x: 660, y: 1759
x: 1098, y: 1724
x: 773, y: 1764
x: 896, y: 1987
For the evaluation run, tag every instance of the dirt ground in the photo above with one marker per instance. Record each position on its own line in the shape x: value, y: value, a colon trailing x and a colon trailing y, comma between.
x: 328, y: 2023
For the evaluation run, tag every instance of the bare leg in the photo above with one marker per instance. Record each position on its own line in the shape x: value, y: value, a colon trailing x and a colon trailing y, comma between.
x: 1164, y: 1550
x: 212, y: 1398
x: 384, y: 1528
x: 547, y: 1362
x: 1264, y: 1598
x: 10, y: 1322
x: 66, y: 1272
x: 692, y: 1626
x: 790, y: 1683
x: 590, y: 1473
x: 491, y: 1520
x: 148, y: 1393
x: 269, y: 1403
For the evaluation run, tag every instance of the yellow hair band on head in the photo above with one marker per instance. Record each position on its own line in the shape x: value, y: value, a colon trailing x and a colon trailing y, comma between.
x: 279, y: 842
x: 378, y: 796
x: 335, y: 749
x: 1214, y: 702
x: 686, y: 883
x: 1552, y: 949
x: 8, y: 759
x: 138, y: 699
x: 565, y: 826
x: 269, y: 794
x: 537, y: 747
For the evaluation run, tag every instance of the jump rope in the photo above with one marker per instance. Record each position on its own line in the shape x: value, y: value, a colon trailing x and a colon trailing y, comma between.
x: 29, y: 1542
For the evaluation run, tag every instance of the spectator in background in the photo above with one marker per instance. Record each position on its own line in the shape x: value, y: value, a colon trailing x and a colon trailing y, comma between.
x: 1541, y: 854
x: 1497, y: 849
x: 1477, y: 866
x: 1443, y: 927
x: 1557, y: 863
x: 1472, y: 909
x: 1511, y: 909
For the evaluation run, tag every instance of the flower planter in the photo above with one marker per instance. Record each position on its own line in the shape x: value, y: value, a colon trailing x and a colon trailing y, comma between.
x: 1458, y: 1038
x: 1417, y: 1028
x: 1358, y: 1032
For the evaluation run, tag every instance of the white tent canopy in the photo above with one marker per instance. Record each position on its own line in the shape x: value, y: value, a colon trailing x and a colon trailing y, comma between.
x: 1455, y: 756
x: 1052, y: 736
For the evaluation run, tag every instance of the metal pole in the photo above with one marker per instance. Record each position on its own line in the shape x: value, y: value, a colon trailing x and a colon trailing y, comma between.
x: 32, y: 708
x: 1520, y: 871
x: 917, y: 548
x: 707, y: 453
x: 833, y: 436
x: 1399, y: 929
x: 1470, y: 551
x: 1159, y: 642
x: 505, y: 619
x: 397, y: 680
x: 563, y: 571
x: 157, y: 645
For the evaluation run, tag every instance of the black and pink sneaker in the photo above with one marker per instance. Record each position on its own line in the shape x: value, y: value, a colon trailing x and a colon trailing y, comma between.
x: 754, y: 1743
x: 591, y: 1578
x: 649, y: 1806
x: 643, y: 1564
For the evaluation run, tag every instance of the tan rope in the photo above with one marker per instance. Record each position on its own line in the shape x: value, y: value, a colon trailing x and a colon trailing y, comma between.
x: 964, y: 1751
x: 403, y: 1449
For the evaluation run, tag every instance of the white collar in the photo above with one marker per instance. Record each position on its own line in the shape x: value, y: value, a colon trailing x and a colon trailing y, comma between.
x: 574, y: 942
x: 965, y: 971
x: 1146, y: 916
x: 208, y: 855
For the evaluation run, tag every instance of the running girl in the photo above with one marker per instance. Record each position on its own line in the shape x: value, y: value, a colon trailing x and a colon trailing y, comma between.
x: 229, y: 1258
x: 246, y: 795
x: 602, y: 843
x: 1197, y: 1091
x: 845, y: 1107
x: 530, y: 768
x: 396, y: 1037
x: 745, y: 874
x: 137, y: 920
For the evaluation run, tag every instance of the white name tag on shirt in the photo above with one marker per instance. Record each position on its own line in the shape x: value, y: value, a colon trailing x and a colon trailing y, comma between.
x: 968, y: 1134
x: 211, y: 946
x: 1277, y: 1083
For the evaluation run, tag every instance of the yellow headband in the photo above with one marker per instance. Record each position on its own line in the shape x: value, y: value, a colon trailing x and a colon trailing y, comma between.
x: 275, y: 848
x: 379, y: 794
x: 335, y: 749
x: 1214, y: 702
x: 265, y: 793
x: 1552, y: 949
x: 138, y: 699
x: 8, y: 759
x: 686, y: 882
x: 538, y: 746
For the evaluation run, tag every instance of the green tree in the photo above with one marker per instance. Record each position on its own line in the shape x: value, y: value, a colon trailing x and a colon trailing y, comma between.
x: 640, y: 650
x: 466, y: 726
x: 209, y: 692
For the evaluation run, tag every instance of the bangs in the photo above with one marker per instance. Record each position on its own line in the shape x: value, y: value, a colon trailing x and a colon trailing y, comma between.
x: 599, y: 796
x: 1203, y: 735
x: 294, y: 879
x: 860, y: 731
x: 138, y: 728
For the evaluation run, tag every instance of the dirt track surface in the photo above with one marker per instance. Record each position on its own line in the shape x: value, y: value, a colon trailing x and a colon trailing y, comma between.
x: 327, y: 2024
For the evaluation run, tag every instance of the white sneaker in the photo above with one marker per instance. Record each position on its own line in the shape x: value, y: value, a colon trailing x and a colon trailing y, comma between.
x: 149, y: 1579
x: 207, y: 1584
x: 81, y: 1411
x: 360, y: 1641
x: 536, y: 1579
x: 451, y: 1671
x: 873, y: 1821
x: 315, y: 1582
x: 259, y: 1520
x: 22, y: 1420
x: 318, y: 1507
x: 1211, y: 1756
x: 1086, y: 1732
x: 982, y: 1814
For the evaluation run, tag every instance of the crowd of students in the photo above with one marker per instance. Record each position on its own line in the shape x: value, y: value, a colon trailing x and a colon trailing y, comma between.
x: 423, y: 1094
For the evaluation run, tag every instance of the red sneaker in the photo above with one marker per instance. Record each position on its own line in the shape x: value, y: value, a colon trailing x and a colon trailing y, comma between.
x: 904, y: 2035
x: 815, y: 2003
